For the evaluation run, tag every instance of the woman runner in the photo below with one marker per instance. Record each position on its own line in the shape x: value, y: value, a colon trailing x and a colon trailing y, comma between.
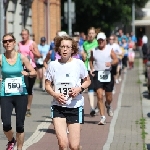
x: 13, y: 90
x: 67, y: 106
x: 29, y: 48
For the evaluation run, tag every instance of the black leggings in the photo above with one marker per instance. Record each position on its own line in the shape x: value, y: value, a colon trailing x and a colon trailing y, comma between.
x: 29, y: 84
x: 7, y: 104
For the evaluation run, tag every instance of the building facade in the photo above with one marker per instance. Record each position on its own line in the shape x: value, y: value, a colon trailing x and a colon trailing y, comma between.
x: 40, y: 17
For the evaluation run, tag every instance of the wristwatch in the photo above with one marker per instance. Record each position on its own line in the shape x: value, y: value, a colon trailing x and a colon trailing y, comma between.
x: 82, y: 89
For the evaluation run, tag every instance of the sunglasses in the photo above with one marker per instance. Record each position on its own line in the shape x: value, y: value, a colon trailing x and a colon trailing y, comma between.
x: 9, y: 41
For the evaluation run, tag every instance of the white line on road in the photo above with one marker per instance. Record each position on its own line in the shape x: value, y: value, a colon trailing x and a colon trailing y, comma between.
x: 114, y: 119
x: 38, y: 134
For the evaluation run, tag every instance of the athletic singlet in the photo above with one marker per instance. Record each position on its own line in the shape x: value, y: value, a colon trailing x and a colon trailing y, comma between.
x: 12, y: 78
x: 88, y: 46
x: 101, y: 57
x: 125, y: 46
x: 43, y: 49
x: 24, y: 49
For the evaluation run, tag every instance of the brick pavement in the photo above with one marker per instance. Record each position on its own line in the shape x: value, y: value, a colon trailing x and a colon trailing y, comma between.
x: 127, y: 132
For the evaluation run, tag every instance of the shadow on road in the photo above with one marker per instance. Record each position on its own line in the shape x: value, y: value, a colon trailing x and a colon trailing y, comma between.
x: 148, y: 146
x: 146, y: 95
x: 42, y: 121
x: 47, y: 130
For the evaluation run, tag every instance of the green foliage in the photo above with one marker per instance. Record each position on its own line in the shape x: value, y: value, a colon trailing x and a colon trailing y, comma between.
x: 103, y: 13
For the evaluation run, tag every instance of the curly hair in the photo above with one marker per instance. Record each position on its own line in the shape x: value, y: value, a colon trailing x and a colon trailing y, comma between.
x: 58, y: 43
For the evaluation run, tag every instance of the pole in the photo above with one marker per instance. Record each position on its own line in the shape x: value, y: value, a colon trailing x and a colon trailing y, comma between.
x: 133, y: 18
x: 1, y: 29
x: 48, y: 21
x: 69, y: 18
x: 1, y: 25
x: 24, y: 13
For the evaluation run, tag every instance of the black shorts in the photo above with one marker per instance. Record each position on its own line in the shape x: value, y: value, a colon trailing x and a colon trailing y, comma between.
x: 72, y: 115
x: 91, y: 86
x: 124, y: 61
x: 39, y: 66
x: 114, y: 70
x: 107, y: 86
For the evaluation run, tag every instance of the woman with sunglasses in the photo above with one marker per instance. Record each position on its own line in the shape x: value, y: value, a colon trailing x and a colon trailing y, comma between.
x: 29, y: 48
x: 67, y: 106
x: 13, y: 90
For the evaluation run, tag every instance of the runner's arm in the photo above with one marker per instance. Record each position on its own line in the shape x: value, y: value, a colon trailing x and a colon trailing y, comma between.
x: 47, y: 59
x: 114, y: 58
x: 32, y: 72
x: 91, y: 62
x: 35, y: 50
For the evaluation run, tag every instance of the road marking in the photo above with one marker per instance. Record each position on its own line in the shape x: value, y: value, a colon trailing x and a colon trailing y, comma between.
x: 38, y: 134
x: 114, y: 119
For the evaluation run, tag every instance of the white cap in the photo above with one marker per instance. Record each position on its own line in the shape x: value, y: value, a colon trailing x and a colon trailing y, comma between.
x: 62, y: 33
x: 145, y: 39
x: 101, y: 35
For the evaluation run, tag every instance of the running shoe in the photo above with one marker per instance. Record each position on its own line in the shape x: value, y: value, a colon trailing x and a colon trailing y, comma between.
x: 117, y: 81
x: 92, y: 113
x: 102, y: 121
x: 109, y: 110
x: 96, y: 109
x: 28, y: 113
x: 11, y: 145
x: 120, y: 79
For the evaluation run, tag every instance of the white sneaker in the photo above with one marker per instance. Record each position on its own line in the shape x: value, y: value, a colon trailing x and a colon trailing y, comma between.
x: 109, y: 110
x: 102, y: 121
x: 96, y: 110
x: 113, y: 91
x: 120, y: 79
x: 117, y: 82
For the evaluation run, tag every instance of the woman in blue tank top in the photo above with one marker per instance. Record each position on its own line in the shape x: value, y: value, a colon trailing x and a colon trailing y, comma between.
x: 13, y: 90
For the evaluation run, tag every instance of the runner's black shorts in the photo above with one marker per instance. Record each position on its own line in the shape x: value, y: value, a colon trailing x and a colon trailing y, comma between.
x: 107, y: 86
x: 72, y: 115
x: 39, y: 66
x: 114, y: 69
x: 91, y: 86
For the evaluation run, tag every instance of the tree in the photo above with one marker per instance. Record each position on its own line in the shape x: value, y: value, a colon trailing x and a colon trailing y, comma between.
x: 103, y: 13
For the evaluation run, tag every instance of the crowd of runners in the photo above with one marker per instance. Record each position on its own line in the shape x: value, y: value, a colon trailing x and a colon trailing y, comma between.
x: 65, y: 69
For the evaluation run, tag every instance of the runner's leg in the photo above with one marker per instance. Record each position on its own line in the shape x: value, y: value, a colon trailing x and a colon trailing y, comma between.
x: 60, y: 128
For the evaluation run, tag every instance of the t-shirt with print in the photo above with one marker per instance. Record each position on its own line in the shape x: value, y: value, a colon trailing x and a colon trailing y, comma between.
x: 67, y: 74
x: 88, y: 46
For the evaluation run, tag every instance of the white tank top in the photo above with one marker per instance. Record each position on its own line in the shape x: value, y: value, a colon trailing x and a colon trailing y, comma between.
x: 101, y: 57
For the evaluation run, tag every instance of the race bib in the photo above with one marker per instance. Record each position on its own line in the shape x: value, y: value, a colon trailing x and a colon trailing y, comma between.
x: 104, y: 76
x: 13, y: 85
x: 63, y: 88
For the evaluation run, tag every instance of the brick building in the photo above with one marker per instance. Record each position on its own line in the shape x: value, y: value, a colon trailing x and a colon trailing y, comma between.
x: 41, y: 17
x: 46, y: 18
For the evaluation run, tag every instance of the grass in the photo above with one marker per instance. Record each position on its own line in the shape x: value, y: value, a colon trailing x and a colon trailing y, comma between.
x: 142, y: 126
x: 141, y: 122
x: 139, y: 81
